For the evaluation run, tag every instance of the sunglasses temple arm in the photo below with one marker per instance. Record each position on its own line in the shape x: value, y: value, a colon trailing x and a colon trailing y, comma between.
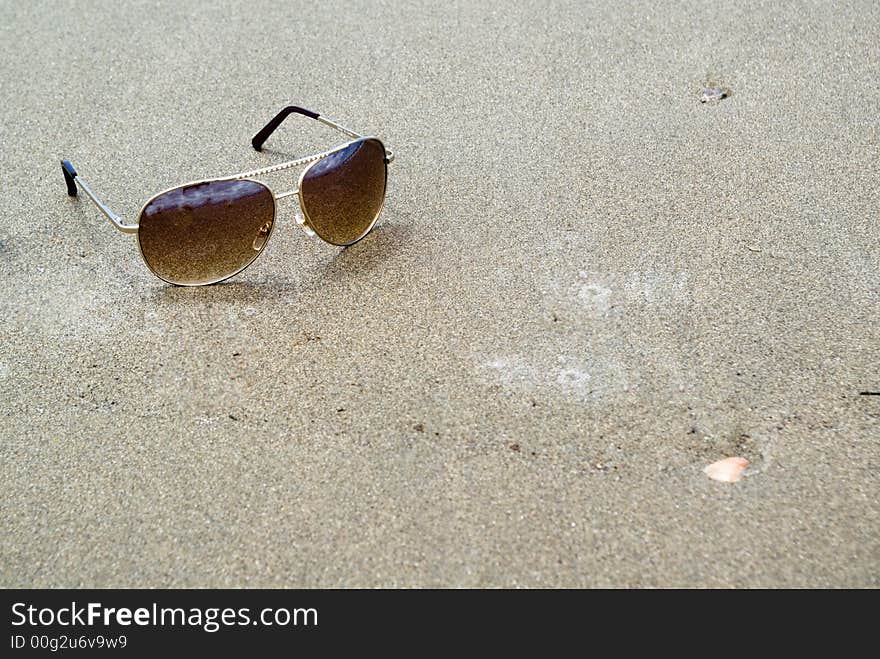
x: 73, y: 180
x: 389, y: 154
x: 260, y: 138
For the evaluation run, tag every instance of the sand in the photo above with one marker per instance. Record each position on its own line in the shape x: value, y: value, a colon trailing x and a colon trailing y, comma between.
x: 585, y: 287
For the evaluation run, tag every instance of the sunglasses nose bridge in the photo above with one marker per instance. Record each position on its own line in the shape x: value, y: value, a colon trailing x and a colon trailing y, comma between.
x: 289, y: 193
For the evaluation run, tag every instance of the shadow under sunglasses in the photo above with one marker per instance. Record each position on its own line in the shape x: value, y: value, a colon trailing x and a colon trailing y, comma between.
x: 380, y: 245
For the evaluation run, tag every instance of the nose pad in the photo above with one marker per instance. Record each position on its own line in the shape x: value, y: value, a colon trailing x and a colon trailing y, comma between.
x: 301, y: 221
x: 262, y: 236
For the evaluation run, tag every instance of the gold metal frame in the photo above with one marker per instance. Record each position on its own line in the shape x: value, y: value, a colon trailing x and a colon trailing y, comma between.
x: 251, y: 176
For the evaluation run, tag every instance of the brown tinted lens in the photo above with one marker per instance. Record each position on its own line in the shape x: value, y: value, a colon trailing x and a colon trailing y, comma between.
x: 343, y: 193
x: 206, y: 232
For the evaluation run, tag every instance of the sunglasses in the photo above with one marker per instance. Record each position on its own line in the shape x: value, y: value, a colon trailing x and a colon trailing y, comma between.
x: 206, y: 231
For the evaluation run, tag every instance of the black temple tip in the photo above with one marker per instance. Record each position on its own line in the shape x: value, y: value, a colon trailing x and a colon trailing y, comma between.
x: 69, y: 175
x: 309, y: 113
x: 268, y: 129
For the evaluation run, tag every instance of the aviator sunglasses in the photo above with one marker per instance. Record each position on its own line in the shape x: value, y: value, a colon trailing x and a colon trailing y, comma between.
x: 206, y: 231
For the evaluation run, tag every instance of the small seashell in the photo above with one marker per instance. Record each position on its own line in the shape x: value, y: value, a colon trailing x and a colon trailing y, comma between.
x: 713, y: 94
x: 728, y: 470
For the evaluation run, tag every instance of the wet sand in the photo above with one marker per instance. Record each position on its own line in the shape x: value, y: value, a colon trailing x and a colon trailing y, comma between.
x: 585, y: 287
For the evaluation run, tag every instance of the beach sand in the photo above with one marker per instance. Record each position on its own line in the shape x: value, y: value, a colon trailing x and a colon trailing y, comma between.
x: 585, y: 287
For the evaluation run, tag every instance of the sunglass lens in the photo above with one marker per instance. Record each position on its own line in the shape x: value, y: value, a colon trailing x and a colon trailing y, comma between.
x: 343, y: 193
x: 205, y: 232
